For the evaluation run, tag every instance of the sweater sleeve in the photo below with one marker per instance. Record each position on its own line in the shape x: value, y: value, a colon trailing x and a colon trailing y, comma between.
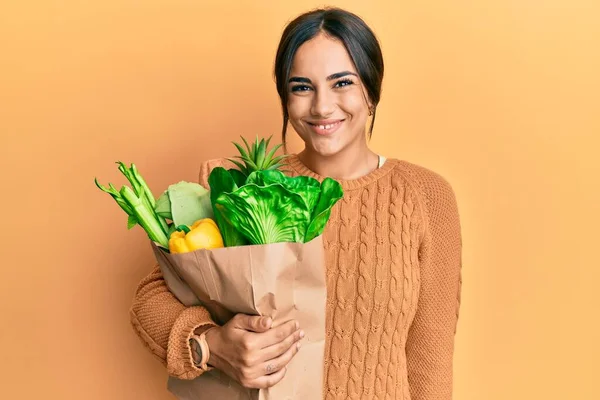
x: 430, y: 342
x: 165, y: 325
x: 162, y: 322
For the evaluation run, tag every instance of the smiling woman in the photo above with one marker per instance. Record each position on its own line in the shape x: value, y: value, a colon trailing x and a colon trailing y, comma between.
x: 329, y: 71
x: 393, y: 243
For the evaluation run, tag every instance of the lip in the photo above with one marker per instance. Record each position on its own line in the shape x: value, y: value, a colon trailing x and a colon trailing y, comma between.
x: 335, y: 125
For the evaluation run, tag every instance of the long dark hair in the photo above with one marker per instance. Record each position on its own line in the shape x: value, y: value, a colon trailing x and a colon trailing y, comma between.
x: 351, y: 30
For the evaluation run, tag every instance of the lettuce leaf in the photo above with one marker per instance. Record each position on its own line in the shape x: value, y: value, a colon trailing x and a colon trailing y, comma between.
x: 221, y: 181
x: 272, y: 207
x: 331, y: 192
x: 265, y: 214
x: 238, y: 177
x: 305, y: 186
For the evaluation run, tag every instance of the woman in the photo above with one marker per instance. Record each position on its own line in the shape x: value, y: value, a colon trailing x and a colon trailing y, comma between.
x: 393, y: 243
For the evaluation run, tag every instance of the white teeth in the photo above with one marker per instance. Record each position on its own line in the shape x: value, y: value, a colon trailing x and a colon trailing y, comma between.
x: 326, y: 126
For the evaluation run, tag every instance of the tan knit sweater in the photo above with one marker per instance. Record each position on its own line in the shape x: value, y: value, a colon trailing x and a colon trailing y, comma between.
x: 393, y: 255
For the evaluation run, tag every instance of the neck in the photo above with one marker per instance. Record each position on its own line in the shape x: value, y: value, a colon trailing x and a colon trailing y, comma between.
x: 351, y: 163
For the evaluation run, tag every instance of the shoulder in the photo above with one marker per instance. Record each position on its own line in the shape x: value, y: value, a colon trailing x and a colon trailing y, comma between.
x: 436, y: 193
x: 432, y: 183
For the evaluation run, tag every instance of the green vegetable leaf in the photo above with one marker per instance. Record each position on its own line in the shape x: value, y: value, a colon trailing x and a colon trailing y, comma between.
x: 265, y: 214
x: 163, y: 206
x: 250, y: 153
x: 238, y: 177
x: 189, y: 202
x: 261, y: 152
x: 145, y: 217
x: 331, y: 192
x: 116, y: 195
x: 221, y: 181
x: 142, y: 185
x: 305, y: 186
x: 271, y: 155
x: 131, y: 222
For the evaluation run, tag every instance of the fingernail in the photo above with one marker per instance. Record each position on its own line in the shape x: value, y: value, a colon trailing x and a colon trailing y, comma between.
x: 267, y: 322
x: 297, y: 324
x: 301, y: 334
x: 298, y: 345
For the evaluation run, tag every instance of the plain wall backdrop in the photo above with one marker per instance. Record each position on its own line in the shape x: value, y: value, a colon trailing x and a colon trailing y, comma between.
x: 502, y: 98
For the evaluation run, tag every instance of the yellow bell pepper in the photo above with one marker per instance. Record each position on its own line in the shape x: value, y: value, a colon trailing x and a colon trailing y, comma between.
x: 203, y: 234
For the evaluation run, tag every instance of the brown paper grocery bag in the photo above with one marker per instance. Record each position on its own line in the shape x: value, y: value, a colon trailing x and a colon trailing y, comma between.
x: 281, y: 280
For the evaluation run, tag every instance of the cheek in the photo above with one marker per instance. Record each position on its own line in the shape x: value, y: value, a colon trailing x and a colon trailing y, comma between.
x: 297, y: 107
x: 354, y: 104
x: 296, y: 112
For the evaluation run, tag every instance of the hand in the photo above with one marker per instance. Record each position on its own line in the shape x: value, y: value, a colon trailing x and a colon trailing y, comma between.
x: 249, y: 351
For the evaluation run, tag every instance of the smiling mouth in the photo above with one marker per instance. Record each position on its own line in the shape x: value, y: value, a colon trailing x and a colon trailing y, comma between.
x: 327, y: 128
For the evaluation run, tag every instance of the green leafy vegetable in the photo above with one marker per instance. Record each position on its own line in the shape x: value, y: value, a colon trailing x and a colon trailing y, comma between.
x: 331, y: 192
x: 221, y: 181
x: 266, y: 214
x: 184, y: 203
x: 163, y: 206
x: 258, y: 204
x: 138, y: 202
x: 305, y: 186
x: 272, y: 207
x: 238, y: 177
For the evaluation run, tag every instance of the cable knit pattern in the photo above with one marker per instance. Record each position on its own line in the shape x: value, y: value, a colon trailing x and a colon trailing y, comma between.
x: 393, y: 268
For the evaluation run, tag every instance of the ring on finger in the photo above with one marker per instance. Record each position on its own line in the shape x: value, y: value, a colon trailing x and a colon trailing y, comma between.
x: 270, y: 368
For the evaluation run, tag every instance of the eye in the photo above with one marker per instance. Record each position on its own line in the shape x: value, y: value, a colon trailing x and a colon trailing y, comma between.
x: 300, y: 88
x: 344, y: 82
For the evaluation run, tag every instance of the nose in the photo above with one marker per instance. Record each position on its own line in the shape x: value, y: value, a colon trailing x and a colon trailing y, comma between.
x: 322, y: 104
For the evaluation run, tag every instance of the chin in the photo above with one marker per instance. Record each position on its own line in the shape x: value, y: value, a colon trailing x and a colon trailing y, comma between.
x: 325, y: 152
x: 324, y: 148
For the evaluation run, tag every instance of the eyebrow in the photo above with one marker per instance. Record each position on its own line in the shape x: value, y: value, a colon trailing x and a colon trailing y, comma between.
x: 331, y: 77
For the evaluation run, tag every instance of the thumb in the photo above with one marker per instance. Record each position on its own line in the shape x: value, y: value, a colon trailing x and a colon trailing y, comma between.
x: 254, y: 323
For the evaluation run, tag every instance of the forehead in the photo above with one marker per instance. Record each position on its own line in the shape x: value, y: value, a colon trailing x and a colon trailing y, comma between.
x: 320, y: 57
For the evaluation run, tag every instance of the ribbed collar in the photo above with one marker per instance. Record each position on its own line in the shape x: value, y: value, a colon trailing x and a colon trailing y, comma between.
x: 349, y: 184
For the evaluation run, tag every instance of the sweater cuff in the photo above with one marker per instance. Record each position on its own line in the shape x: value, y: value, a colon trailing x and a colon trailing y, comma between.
x: 180, y: 362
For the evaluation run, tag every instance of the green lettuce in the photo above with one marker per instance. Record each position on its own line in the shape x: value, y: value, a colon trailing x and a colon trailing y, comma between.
x: 265, y: 214
x: 271, y: 207
x: 221, y: 181
x: 305, y: 186
x: 331, y: 192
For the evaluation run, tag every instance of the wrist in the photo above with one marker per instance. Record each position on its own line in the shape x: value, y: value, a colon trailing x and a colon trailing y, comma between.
x: 212, y: 340
x: 201, y: 329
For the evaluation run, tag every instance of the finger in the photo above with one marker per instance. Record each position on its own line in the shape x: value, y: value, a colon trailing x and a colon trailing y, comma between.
x: 276, y: 364
x: 278, y: 349
x: 276, y: 335
x: 268, y: 381
x: 253, y: 323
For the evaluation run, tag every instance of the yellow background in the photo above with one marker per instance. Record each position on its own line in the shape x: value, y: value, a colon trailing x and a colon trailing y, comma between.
x: 500, y: 97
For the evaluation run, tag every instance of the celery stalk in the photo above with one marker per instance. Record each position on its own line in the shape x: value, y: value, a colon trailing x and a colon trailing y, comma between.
x: 149, y: 196
x: 144, y: 187
x: 145, y: 217
x: 115, y: 195
x: 142, y: 191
